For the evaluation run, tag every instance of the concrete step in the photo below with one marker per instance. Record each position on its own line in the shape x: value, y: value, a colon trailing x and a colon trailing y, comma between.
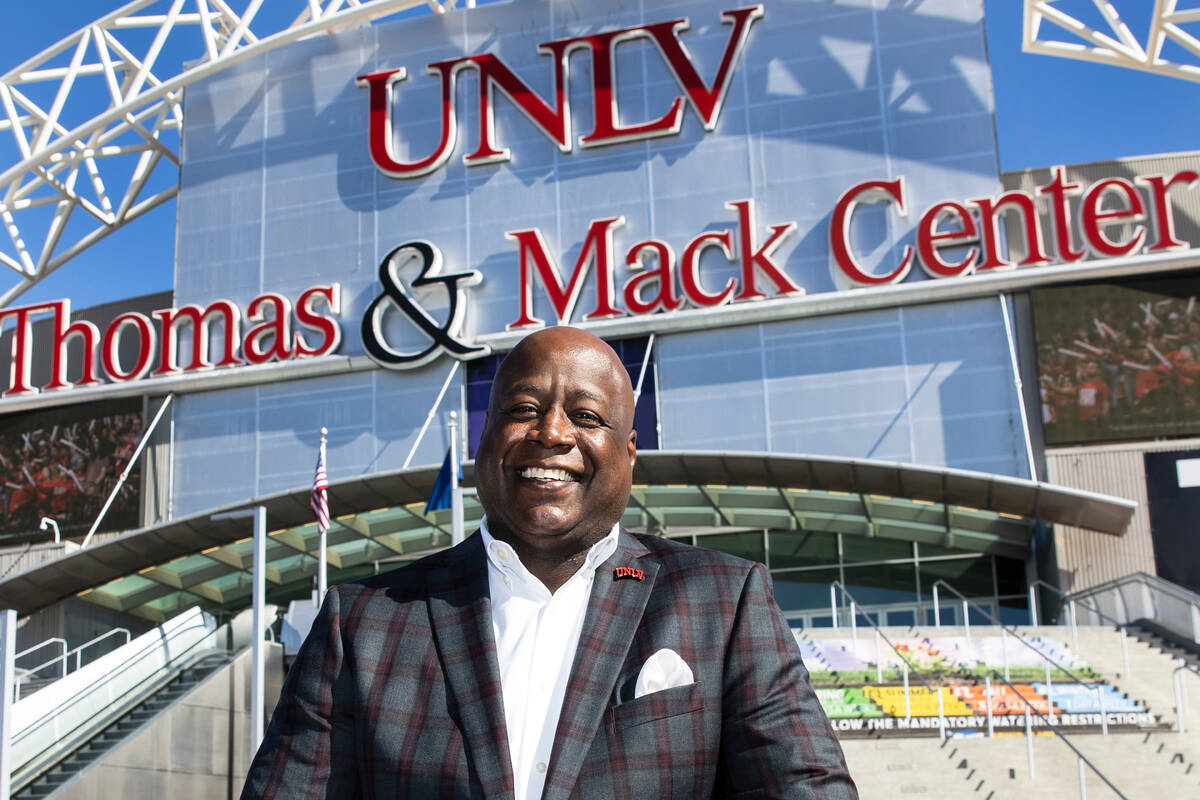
x: 1133, y: 763
x: 922, y: 769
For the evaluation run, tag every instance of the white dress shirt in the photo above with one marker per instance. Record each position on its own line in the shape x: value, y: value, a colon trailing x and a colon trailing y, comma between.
x: 537, y: 634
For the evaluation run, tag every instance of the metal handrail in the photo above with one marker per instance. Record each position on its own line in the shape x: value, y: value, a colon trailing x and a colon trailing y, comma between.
x: 1156, y: 585
x: 1070, y: 601
x: 907, y: 665
x: 1029, y: 707
x: 36, y: 766
x: 52, y: 640
x: 78, y: 651
x: 1142, y: 577
x: 1013, y: 632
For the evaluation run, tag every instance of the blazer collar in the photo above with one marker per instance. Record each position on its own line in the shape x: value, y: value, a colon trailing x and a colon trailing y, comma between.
x: 460, y: 614
x: 613, y: 614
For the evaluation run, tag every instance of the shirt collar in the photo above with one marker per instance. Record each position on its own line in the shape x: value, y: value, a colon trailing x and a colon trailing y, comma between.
x: 504, y: 558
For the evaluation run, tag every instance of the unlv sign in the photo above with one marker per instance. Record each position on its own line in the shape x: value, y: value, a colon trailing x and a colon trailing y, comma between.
x: 554, y: 119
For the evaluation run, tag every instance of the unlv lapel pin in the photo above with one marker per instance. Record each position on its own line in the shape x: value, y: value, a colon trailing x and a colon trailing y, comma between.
x: 628, y: 572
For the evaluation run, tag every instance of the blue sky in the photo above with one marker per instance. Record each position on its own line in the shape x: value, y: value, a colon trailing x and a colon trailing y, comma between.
x: 1048, y: 111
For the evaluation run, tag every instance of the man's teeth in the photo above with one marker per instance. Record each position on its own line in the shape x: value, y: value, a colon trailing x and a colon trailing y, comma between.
x: 547, y: 474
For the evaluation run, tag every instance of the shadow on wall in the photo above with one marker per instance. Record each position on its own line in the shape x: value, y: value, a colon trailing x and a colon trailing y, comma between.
x: 840, y: 63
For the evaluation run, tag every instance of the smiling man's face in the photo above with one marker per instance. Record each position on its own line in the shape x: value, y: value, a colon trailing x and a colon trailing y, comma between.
x: 555, y: 462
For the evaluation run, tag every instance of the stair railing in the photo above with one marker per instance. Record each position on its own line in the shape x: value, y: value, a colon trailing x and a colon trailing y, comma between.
x: 1047, y: 661
x: 53, y: 640
x: 906, y: 664
x: 1070, y: 602
x: 1030, y: 710
x: 1084, y: 597
x: 1173, y: 607
x: 65, y: 656
x: 62, y: 742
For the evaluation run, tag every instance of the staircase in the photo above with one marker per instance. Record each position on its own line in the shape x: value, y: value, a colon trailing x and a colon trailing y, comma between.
x: 1158, y: 765
x: 96, y: 748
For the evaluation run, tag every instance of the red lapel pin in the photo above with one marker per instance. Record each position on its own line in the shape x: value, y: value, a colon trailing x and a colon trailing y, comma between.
x: 628, y: 572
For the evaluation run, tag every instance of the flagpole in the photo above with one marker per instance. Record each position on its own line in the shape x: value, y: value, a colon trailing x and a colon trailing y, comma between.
x: 456, y: 504
x: 322, y: 559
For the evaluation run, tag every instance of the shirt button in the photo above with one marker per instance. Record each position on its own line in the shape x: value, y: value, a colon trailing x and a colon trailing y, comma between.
x: 541, y: 766
x: 502, y: 553
x: 507, y: 582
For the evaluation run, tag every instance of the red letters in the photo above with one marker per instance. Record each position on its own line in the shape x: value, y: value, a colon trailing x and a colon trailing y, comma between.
x: 306, y: 315
x: 271, y: 339
x: 1164, y: 219
x: 1093, y: 219
x: 597, y: 247
x: 555, y: 121
x: 760, y: 257
x: 929, y: 240
x: 839, y: 229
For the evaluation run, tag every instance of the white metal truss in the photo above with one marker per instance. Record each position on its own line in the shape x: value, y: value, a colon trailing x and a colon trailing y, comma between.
x: 95, y: 119
x: 1163, y: 22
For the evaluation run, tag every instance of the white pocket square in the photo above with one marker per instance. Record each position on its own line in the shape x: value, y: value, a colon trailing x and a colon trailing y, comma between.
x: 663, y: 670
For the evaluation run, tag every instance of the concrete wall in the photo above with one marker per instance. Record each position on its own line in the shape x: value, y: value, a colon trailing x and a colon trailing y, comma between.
x: 198, y: 749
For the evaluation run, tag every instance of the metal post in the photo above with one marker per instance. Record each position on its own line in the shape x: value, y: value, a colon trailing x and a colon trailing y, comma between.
x: 257, y: 678
x: 437, y: 402
x: 1016, y: 372
x: 966, y: 621
x: 128, y: 468
x: 1103, y: 711
x: 637, y: 390
x: 1033, y: 611
x: 1004, y: 651
x: 833, y: 611
x: 987, y: 698
x: 8, y: 671
x: 1029, y: 738
x: 853, y: 622
x: 456, y: 502
x: 322, y: 543
x: 1082, y: 784
x: 941, y: 715
x: 907, y: 699
x: 1049, y: 690
x: 1180, y: 724
x: 1125, y: 652
x: 937, y: 611
x: 878, y: 659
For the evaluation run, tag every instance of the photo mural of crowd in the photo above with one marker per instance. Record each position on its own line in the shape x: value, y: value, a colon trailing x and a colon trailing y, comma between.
x: 1117, y: 362
x: 66, y: 471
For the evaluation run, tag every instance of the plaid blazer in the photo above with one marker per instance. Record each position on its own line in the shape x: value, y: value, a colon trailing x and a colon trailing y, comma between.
x: 396, y: 691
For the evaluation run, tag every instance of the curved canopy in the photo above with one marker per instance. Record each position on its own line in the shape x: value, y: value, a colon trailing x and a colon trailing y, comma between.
x: 379, y: 520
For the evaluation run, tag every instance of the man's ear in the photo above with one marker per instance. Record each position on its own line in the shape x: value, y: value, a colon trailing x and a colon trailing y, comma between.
x: 632, y: 448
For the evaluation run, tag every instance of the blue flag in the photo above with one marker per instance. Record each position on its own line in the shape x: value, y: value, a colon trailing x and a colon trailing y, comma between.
x: 440, y: 496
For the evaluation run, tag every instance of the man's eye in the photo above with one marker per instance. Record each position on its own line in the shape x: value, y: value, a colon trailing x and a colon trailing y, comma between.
x: 522, y: 410
x: 587, y: 418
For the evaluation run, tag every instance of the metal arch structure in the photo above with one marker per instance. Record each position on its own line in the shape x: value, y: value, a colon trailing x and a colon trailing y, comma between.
x: 1118, y: 46
x: 95, y: 119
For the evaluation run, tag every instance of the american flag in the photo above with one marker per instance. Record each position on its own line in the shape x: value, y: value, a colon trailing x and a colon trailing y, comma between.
x: 320, y: 497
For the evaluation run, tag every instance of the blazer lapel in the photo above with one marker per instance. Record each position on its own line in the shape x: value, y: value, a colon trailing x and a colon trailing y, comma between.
x: 461, y: 616
x: 613, y: 614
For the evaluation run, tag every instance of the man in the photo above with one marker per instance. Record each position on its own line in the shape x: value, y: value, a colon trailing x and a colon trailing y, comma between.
x: 553, y: 654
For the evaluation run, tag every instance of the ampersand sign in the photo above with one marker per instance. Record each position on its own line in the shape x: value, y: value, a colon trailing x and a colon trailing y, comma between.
x: 443, y: 337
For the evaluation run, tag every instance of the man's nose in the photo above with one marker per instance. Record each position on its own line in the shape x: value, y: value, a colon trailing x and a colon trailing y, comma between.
x: 554, y: 429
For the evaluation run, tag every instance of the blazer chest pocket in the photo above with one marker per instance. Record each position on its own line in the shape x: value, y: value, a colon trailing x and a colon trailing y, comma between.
x: 656, y: 706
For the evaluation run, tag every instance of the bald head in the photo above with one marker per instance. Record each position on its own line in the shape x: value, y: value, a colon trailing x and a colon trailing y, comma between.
x: 555, y: 461
x: 590, y: 351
